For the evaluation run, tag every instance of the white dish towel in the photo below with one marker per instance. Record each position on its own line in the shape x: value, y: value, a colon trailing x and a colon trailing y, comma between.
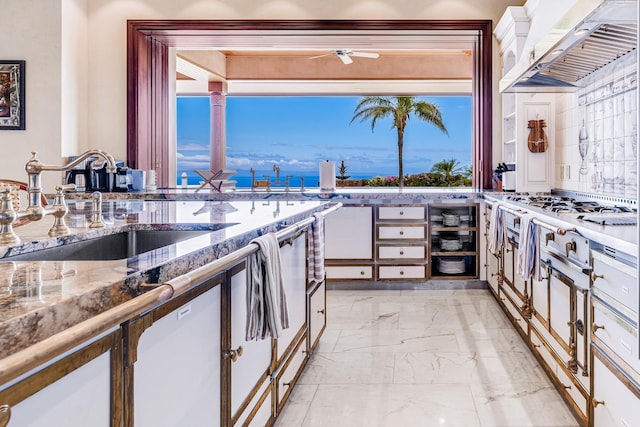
x: 528, y: 261
x: 316, y: 249
x: 266, y: 301
x: 496, y: 229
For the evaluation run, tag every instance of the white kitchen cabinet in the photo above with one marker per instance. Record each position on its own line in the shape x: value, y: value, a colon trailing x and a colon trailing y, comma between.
x: 349, y: 244
x: 615, y: 398
x: 177, y: 366
x: 349, y: 234
x: 248, y: 362
x: 288, y: 374
x: 293, y: 256
x: 401, y: 243
x: 317, y: 311
x: 80, y: 398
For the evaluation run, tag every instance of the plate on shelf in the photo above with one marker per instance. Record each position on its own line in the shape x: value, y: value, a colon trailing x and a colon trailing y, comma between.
x: 451, y: 265
x: 450, y: 220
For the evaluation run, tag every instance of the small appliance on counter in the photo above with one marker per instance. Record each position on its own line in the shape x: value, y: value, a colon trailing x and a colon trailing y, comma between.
x: 89, y: 179
x: 505, y: 177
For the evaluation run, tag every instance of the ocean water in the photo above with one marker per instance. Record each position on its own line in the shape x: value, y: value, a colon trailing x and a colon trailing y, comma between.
x: 244, y: 180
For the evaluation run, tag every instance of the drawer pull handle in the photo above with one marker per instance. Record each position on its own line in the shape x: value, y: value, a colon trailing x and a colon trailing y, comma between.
x: 401, y: 252
x: 401, y: 212
x: 570, y: 247
x: 595, y: 276
x: 234, y: 354
x: 566, y: 387
x: 547, y: 237
x: 362, y: 273
x: 401, y: 272
x: 401, y: 232
x: 287, y: 384
x: 595, y: 402
x: 536, y: 345
x: 5, y: 415
x: 596, y: 327
x: 320, y: 311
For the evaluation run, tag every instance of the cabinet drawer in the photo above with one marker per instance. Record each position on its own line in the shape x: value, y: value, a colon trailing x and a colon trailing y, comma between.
x: 288, y: 375
x: 402, y: 252
x: 401, y: 232
x: 616, y: 332
x: 617, y: 405
x: 349, y: 272
x: 401, y: 272
x: 409, y: 213
x: 572, y: 390
x: 616, y: 280
x: 317, y: 314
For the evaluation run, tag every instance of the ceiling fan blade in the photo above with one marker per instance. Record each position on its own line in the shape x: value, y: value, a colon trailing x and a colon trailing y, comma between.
x: 365, y: 54
x: 321, y: 56
x: 344, y: 58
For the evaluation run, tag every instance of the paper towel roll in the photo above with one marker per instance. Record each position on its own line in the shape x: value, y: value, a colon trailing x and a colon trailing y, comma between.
x: 327, y: 176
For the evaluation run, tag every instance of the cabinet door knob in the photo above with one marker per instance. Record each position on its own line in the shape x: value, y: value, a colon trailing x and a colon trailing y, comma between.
x: 234, y: 354
x: 401, y: 272
x: 401, y: 212
x: 595, y: 276
x: 401, y: 252
x: 401, y: 232
x: 320, y: 311
x: 362, y: 273
x: 5, y: 415
x: 595, y: 402
x: 596, y: 327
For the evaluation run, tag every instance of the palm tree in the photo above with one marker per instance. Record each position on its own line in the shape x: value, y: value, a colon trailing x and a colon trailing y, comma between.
x: 399, y: 109
x: 448, y: 168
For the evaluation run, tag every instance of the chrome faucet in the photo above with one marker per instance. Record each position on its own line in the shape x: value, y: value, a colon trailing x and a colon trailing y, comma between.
x: 35, y: 211
x: 35, y: 167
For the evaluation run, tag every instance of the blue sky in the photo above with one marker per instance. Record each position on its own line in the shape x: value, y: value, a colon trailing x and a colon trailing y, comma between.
x: 299, y: 132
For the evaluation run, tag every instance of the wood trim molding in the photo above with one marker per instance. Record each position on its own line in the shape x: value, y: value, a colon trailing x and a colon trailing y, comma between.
x: 148, y: 42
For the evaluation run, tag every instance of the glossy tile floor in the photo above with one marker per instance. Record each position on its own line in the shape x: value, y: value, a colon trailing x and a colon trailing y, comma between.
x: 422, y: 358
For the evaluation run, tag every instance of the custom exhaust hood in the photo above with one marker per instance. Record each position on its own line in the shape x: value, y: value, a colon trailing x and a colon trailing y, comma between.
x: 591, y: 35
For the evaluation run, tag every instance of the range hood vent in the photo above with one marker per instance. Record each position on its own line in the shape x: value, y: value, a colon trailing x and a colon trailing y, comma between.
x: 605, y: 35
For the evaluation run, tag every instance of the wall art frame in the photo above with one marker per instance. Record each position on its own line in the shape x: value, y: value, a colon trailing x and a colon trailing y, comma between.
x: 12, y: 95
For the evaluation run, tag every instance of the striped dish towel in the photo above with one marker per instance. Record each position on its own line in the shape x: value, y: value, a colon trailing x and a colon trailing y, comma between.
x: 316, y: 249
x: 496, y: 229
x: 528, y: 261
x: 266, y: 301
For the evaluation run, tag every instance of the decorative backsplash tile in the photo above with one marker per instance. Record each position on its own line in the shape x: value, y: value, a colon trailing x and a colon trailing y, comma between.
x: 598, y: 131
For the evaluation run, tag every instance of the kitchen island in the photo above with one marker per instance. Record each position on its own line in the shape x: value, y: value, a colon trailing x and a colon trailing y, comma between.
x: 63, y: 318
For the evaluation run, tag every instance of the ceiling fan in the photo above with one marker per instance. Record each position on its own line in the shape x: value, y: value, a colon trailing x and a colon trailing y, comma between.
x: 346, y: 54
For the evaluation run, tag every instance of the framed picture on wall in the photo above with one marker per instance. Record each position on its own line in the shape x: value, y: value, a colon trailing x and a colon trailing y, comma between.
x: 12, y: 95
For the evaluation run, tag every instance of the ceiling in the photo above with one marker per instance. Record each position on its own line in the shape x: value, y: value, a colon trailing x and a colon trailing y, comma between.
x: 278, y: 62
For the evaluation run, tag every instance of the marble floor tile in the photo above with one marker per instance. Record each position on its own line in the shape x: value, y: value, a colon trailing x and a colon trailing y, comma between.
x: 382, y: 405
x: 396, y: 340
x: 422, y: 358
x: 348, y: 368
x: 297, y: 405
x: 464, y: 368
x: 521, y: 405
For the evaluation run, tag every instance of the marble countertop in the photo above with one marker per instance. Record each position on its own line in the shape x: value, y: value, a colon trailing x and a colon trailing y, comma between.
x: 41, y: 298
x: 344, y: 195
x: 622, y: 238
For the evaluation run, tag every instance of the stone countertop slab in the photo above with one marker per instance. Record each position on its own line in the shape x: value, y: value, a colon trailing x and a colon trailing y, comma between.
x: 41, y: 298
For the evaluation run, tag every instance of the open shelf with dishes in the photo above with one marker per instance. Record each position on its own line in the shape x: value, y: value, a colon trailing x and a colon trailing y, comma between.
x: 453, y: 234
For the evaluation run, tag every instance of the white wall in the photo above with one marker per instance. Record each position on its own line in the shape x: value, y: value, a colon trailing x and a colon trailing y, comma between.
x: 81, y: 70
x: 31, y: 32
